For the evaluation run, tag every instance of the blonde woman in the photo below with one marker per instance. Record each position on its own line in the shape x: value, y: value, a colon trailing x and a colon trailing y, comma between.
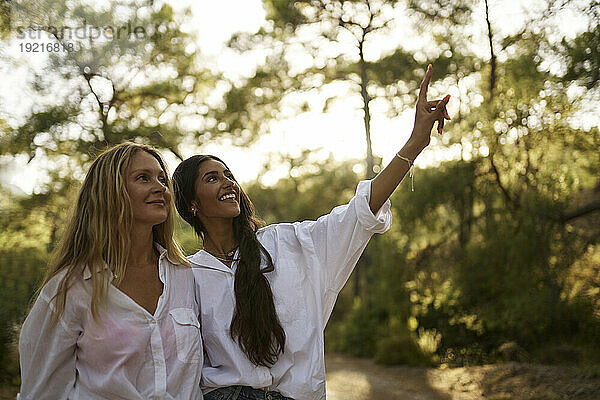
x: 115, y: 317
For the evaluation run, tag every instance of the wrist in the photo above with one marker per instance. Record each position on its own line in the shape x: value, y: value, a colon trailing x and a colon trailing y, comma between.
x: 410, y: 150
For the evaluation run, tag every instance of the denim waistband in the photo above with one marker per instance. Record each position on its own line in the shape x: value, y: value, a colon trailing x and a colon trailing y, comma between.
x: 244, y: 393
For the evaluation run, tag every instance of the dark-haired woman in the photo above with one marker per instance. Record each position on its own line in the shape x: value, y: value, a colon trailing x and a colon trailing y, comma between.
x: 266, y: 294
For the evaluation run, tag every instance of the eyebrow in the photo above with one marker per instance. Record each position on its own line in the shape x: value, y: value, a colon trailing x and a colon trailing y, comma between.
x: 215, y: 173
x: 160, y: 171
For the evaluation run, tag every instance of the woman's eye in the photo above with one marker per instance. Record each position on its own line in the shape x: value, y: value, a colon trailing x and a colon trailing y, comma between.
x: 143, y: 178
x: 211, y: 179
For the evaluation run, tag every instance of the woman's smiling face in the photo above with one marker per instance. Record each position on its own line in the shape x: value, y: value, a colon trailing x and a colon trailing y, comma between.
x: 147, y: 187
x: 217, y: 192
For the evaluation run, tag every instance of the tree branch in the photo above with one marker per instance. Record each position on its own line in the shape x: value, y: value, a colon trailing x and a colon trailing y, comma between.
x: 500, y: 185
x: 158, y: 138
x: 581, y: 211
x: 347, y: 24
x: 88, y: 78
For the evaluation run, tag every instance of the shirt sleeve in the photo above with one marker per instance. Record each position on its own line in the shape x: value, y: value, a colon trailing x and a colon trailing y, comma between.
x: 338, y: 239
x: 47, y: 351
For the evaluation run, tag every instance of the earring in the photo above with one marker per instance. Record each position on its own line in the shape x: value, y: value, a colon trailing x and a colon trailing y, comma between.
x: 194, y: 211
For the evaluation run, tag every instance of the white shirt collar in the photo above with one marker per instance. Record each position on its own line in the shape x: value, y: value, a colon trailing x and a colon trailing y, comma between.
x: 87, y: 274
x: 206, y: 260
x: 162, y: 252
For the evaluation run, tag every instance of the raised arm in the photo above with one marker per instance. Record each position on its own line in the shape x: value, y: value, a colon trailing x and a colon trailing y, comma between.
x: 427, y: 112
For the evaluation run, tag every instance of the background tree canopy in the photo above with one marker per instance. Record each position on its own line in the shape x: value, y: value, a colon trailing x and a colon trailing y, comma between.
x: 495, y: 254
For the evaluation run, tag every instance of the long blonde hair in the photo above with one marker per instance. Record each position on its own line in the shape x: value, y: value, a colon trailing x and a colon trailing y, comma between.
x: 97, y: 235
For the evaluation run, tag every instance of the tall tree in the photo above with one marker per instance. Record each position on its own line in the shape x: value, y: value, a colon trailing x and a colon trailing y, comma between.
x: 527, y: 220
x: 334, y: 37
x: 119, y: 71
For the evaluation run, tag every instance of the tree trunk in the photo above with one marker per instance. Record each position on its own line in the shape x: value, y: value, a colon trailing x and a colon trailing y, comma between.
x: 370, y: 173
x: 492, y: 54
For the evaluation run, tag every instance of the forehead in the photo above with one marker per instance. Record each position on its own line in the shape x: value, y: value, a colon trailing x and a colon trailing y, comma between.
x: 210, y: 165
x: 143, y: 160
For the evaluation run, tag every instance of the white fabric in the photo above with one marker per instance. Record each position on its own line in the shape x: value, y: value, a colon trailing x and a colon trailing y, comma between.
x: 129, y: 354
x: 313, y: 260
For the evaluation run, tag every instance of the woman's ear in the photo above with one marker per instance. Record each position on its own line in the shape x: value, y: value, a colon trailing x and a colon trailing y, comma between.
x: 193, y: 207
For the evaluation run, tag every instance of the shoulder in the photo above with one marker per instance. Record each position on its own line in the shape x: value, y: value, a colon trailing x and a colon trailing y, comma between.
x: 75, y: 281
x: 77, y: 292
x: 178, y: 265
x: 180, y: 274
x: 284, y: 239
x: 277, y: 234
x: 266, y: 232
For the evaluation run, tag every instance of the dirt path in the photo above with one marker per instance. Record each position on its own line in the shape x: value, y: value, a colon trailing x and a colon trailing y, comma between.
x: 359, y: 379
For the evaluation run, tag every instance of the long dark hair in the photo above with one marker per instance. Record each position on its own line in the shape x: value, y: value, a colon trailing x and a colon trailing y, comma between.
x: 255, y: 324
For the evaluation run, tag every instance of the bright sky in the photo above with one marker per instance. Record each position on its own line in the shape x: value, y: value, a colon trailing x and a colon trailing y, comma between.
x: 340, y: 131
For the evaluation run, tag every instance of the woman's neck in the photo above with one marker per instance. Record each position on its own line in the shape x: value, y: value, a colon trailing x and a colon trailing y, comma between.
x: 219, y: 238
x: 141, y: 252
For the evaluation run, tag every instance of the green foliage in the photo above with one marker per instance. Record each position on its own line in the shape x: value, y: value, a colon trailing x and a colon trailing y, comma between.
x: 454, y: 13
x: 21, y: 273
x: 135, y: 87
x: 583, y: 58
x: 186, y: 237
x: 5, y: 21
x: 358, y: 334
x: 490, y: 240
x: 23, y: 253
x: 400, y: 348
x: 312, y: 190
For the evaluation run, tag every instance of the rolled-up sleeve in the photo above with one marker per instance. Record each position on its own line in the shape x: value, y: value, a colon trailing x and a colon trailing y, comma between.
x: 378, y: 223
x: 47, y: 351
x: 338, y: 239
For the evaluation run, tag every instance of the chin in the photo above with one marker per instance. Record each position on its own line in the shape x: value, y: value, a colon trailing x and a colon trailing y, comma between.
x: 158, y: 220
x: 161, y: 221
x: 231, y: 215
x: 231, y: 211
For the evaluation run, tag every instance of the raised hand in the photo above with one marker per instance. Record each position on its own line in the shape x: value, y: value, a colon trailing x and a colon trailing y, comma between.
x: 426, y: 113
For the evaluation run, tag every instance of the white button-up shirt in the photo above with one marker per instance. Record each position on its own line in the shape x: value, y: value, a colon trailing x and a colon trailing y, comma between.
x: 128, y: 354
x: 313, y: 260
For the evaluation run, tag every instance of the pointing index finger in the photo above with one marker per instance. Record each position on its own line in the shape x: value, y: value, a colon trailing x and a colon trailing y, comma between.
x: 425, y: 84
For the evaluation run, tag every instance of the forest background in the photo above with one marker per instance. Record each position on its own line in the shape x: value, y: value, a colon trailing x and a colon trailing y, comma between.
x: 494, y: 256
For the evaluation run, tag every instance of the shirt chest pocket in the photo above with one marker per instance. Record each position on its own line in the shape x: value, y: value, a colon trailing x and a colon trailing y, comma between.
x: 187, y: 335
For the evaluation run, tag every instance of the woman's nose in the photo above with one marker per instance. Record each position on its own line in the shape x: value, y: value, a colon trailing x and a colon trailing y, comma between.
x: 160, y: 186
